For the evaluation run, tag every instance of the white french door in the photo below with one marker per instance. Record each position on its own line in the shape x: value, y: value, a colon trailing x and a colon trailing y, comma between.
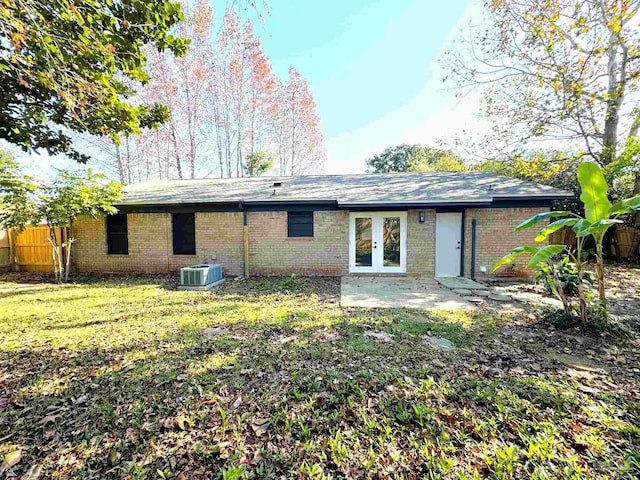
x: 377, y: 242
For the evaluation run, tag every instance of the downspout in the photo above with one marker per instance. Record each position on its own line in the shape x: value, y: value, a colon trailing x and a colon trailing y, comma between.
x: 473, y: 249
x: 462, y: 233
x: 245, y: 238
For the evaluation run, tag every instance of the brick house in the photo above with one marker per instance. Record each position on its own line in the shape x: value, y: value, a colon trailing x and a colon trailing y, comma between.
x: 418, y: 224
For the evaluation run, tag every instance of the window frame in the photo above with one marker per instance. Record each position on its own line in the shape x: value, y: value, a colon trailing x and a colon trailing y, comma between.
x: 110, y: 233
x: 297, y: 216
x: 174, y: 250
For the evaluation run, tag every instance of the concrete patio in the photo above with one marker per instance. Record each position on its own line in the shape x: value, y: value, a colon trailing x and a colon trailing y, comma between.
x: 399, y: 292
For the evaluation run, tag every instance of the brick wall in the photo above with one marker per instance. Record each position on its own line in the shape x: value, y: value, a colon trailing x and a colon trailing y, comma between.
x: 272, y: 252
x: 218, y: 239
x: 421, y: 243
x: 495, y: 236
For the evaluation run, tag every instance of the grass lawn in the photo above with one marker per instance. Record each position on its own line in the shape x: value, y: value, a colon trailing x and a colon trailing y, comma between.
x: 268, y: 378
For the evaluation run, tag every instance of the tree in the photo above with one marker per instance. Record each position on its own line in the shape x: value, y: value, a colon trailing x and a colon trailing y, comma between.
x: 223, y: 103
x: 563, y: 71
x: 244, y: 91
x: 297, y: 127
x: 15, y: 191
x: 263, y: 86
x: 415, y: 158
x: 57, y: 204
x: 429, y: 159
x: 555, y: 169
x: 183, y: 83
x: 392, y: 160
x: 62, y: 64
x: 171, y: 145
x: 258, y: 163
x: 599, y: 216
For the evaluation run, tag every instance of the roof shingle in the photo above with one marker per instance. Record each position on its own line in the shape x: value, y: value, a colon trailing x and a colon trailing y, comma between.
x: 441, y: 187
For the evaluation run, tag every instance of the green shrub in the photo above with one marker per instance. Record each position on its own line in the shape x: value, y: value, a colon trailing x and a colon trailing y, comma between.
x: 291, y: 284
x: 567, y: 274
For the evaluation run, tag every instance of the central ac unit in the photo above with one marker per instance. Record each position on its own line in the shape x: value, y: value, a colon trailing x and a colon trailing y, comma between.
x: 200, y: 277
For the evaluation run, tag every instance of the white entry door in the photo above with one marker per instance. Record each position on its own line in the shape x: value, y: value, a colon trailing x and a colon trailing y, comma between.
x: 448, y: 244
x: 377, y: 242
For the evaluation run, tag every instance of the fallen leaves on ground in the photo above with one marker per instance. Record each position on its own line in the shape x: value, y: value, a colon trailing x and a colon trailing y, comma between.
x: 115, y: 378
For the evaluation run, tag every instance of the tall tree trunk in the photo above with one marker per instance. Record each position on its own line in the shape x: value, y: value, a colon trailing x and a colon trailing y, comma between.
x: 228, y: 146
x: 218, y: 121
x: 68, y: 259
x: 159, y: 156
x: 192, y: 136
x: 55, y: 253
x: 176, y: 149
x: 120, y: 165
x: 616, y: 91
x: 52, y: 241
x: 220, y: 156
x: 293, y: 147
x: 253, y: 120
x: 240, y: 171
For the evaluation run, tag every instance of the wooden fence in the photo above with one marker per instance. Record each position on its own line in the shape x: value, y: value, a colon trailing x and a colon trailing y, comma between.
x: 27, y: 251
x: 622, y: 239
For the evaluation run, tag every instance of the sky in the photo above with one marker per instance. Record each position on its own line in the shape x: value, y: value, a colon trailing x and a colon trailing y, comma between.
x: 372, y: 66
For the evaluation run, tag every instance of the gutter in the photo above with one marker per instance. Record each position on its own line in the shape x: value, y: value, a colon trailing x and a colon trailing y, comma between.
x: 282, y: 204
x: 536, y: 196
x: 405, y: 205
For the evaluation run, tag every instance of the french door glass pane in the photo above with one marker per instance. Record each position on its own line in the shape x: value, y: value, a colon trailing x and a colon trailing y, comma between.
x: 364, y: 237
x: 391, y: 241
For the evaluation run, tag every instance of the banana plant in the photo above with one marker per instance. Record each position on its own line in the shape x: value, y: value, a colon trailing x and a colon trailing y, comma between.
x: 599, y: 216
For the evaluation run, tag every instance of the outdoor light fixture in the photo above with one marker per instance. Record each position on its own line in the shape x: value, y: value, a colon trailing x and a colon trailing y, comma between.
x: 421, y: 217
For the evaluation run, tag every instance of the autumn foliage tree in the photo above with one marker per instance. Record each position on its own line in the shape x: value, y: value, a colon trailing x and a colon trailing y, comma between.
x: 226, y: 107
x: 296, y: 121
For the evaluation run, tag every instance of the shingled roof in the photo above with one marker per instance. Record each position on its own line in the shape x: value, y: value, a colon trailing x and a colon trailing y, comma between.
x: 345, y: 190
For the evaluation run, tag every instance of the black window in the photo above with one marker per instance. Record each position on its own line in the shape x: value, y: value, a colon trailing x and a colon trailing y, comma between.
x: 300, y: 224
x: 117, y: 240
x: 184, y: 234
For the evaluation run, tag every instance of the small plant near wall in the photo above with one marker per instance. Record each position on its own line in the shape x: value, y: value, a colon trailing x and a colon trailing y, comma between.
x: 564, y: 270
x: 567, y: 274
x: 23, y: 201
